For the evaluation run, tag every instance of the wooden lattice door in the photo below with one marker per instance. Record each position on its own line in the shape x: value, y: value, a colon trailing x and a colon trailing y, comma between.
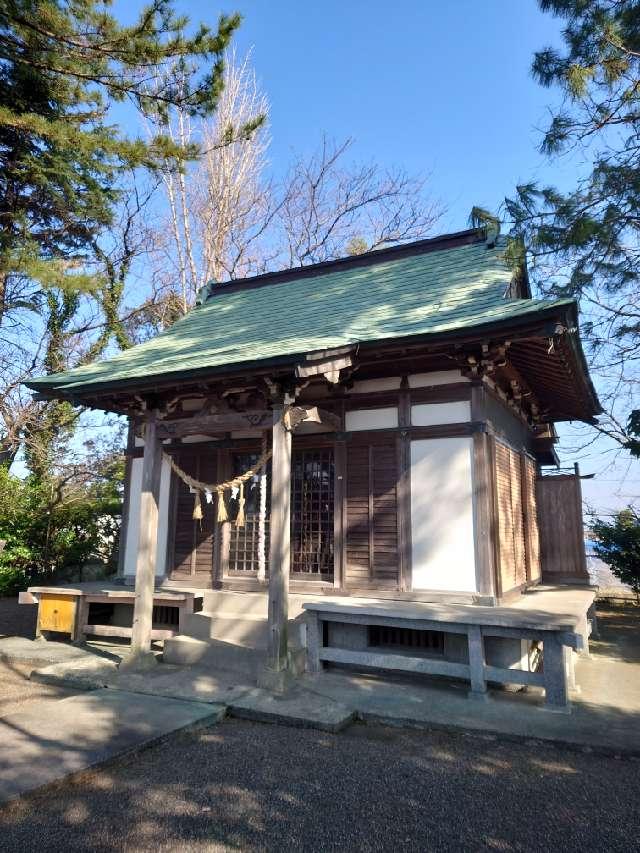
x: 312, y: 516
x: 249, y: 544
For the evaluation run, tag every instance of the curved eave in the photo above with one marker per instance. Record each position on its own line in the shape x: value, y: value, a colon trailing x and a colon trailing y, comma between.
x: 560, y: 378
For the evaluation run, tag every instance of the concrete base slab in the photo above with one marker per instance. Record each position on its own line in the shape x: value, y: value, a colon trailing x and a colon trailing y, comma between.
x: 195, y: 684
x: 38, y: 747
x: 276, y: 681
x: 83, y: 674
x: 138, y: 662
x: 298, y: 708
x: 38, y: 652
x: 398, y: 702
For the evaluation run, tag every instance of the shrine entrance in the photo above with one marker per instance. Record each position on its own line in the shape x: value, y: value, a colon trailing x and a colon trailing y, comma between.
x: 247, y: 545
x: 312, y: 513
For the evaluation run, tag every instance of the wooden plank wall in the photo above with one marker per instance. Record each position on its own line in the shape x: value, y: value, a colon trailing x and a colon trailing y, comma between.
x: 532, y: 539
x: 517, y: 518
x: 372, y: 548
x: 562, y: 554
x: 193, y: 541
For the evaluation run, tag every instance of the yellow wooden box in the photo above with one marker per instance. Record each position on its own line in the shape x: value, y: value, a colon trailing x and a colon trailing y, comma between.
x: 57, y: 613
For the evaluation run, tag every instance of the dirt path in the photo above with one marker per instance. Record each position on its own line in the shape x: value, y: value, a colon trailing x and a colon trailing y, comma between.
x: 16, y: 691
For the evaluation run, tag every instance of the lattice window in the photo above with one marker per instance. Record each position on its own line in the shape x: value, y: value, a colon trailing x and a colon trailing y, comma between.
x: 312, y: 501
x: 406, y: 638
x: 246, y: 542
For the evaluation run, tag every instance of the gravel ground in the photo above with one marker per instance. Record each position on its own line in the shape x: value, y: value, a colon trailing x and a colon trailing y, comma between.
x: 252, y: 787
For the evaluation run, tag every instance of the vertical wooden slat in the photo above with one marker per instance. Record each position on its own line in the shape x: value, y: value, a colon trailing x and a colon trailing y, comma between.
x: 405, y: 582
x: 505, y: 517
x: 484, y: 518
x: 370, y: 517
x: 532, y: 541
x: 126, y: 501
x: 339, y: 505
x: 520, y: 575
x: 372, y: 541
x: 497, y: 552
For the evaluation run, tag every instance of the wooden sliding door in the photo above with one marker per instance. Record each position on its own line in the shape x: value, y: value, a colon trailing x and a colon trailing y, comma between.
x: 372, y: 548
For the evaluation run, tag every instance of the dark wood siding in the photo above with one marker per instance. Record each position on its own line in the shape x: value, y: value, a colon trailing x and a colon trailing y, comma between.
x: 372, y: 553
x: 562, y: 553
x: 511, y: 528
x: 193, y: 541
x: 529, y: 473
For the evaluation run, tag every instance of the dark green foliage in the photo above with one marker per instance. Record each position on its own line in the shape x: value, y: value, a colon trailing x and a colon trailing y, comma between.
x: 586, y: 242
x: 53, y: 526
x: 61, y: 66
x: 633, y: 431
x: 618, y: 545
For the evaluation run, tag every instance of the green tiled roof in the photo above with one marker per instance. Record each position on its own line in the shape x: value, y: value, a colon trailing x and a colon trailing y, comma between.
x: 426, y: 293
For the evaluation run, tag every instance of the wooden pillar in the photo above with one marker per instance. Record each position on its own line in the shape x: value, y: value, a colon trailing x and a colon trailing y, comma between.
x: 124, y: 524
x: 485, y: 523
x: 279, y: 556
x: 404, y: 488
x: 147, y: 547
x: 339, y: 514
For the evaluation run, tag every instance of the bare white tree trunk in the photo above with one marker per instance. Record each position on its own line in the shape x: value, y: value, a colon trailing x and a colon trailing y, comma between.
x: 229, y: 220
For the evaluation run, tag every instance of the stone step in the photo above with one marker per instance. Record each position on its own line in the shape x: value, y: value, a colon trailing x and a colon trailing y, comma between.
x: 239, y: 630
x: 242, y: 662
x: 248, y: 604
x: 298, y: 708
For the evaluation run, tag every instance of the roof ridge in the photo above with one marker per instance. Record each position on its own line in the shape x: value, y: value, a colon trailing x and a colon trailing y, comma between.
x: 452, y: 240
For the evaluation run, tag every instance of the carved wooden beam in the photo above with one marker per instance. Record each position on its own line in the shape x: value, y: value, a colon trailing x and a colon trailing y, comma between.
x: 263, y: 419
x: 215, y: 423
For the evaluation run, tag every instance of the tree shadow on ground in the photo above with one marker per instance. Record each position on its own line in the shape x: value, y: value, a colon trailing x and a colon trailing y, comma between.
x: 250, y: 786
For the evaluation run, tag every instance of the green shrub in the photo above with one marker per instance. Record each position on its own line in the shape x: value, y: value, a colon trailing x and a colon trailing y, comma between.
x: 52, y: 528
x: 618, y: 545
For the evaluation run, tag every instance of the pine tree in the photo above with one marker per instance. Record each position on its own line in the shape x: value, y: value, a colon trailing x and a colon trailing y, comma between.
x: 586, y: 242
x: 63, y: 64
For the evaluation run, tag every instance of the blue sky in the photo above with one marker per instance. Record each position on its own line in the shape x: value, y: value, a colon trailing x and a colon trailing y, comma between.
x: 442, y: 89
x: 438, y: 88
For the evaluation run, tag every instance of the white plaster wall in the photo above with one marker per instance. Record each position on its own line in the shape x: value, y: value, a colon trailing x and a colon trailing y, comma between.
x: 443, y: 556
x: 429, y: 414
x: 133, y: 526
x: 436, y: 377
x: 371, y: 419
x: 366, y: 386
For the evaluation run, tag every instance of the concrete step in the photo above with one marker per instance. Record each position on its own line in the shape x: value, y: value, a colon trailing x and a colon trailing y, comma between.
x: 248, y: 631
x: 182, y: 650
x: 240, y: 630
x: 248, y: 604
x: 298, y: 708
x: 243, y: 662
